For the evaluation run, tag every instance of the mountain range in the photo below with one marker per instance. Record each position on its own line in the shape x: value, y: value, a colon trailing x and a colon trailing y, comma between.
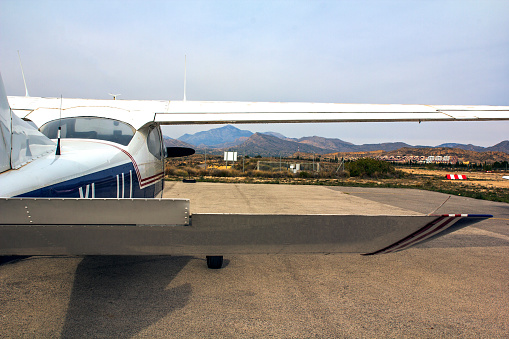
x: 245, y: 142
x: 216, y: 137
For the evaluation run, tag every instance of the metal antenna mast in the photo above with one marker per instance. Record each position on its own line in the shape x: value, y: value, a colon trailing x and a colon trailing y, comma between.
x: 23, y: 74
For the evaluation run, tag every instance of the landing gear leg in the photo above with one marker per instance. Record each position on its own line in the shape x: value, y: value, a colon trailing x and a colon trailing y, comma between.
x: 214, y: 261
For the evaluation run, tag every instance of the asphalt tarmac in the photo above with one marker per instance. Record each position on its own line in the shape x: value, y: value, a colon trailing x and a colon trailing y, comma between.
x: 455, y: 286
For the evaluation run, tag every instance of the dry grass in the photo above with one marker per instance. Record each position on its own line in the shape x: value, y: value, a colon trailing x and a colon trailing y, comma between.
x: 487, y: 186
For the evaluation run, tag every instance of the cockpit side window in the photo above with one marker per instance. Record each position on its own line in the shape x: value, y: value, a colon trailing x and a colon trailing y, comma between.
x: 90, y: 128
x: 154, y: 142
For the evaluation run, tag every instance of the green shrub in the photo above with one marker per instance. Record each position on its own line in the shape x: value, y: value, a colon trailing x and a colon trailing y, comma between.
x: 370, y: 168
x: 180, y: 173
x: 304, y: 174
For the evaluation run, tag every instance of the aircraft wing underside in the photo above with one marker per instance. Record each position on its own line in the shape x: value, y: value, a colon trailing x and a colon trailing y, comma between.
x: 166, y: 226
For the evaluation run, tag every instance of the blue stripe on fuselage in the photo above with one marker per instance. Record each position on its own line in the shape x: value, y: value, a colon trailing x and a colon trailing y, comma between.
x: 103, y: 184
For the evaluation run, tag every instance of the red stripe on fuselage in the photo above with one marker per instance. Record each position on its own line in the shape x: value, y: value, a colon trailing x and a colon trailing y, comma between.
x: 144, y: 182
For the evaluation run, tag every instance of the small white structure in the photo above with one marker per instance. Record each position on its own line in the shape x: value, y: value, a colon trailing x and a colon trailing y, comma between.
x: 294, y: 168
x: 230, y: 156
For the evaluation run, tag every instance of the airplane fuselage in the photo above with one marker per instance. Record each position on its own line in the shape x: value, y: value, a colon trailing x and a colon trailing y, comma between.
x: 93, y: 168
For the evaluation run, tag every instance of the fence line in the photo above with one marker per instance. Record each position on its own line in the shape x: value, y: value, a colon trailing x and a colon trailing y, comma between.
x: 296, y: 166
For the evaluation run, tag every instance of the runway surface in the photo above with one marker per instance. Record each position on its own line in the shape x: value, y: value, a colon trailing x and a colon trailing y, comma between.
x: 455, y: 286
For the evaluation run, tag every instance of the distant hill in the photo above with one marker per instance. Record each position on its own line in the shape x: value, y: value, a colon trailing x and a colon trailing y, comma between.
x: 245, y: 142
x: 232, y: 144
x: 268, y: 145
x: 215, y: 136
x: 342, y: 146
x: 169, y: 142
x: 278, y: 135
x: 327, y: 143
x: 500, y: 147
x: 386, y: 146
x: 468, y: 147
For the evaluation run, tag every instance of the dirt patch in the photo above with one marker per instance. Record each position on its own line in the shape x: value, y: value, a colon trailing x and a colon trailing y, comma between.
x: 482, y: 179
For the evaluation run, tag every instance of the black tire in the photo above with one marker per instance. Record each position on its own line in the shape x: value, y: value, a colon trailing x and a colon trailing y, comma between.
x: 214, y: 261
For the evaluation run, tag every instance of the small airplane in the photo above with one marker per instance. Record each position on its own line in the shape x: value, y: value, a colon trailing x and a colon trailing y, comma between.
x: 85, y: 177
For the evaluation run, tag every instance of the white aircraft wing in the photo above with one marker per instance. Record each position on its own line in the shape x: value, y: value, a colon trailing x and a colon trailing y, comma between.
x: 214, y: 112
x: 140, y: 112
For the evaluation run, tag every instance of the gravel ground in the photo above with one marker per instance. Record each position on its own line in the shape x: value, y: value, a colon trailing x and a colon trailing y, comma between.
x: 455, y: 286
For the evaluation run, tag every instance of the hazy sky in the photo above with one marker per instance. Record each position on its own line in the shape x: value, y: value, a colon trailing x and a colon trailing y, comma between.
x: 422, y: 52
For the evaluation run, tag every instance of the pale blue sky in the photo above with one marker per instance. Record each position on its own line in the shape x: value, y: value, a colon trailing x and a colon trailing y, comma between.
x: 424, y: 52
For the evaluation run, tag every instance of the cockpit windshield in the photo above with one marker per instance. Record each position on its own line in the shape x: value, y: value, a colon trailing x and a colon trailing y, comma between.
x: 90, y: 128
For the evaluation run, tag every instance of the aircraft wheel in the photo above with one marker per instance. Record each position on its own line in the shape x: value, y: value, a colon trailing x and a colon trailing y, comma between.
x: 214, y: 261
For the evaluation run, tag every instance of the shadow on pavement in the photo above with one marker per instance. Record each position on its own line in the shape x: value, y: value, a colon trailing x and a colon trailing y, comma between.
x: 4, y: 259
x: 119, y: 296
